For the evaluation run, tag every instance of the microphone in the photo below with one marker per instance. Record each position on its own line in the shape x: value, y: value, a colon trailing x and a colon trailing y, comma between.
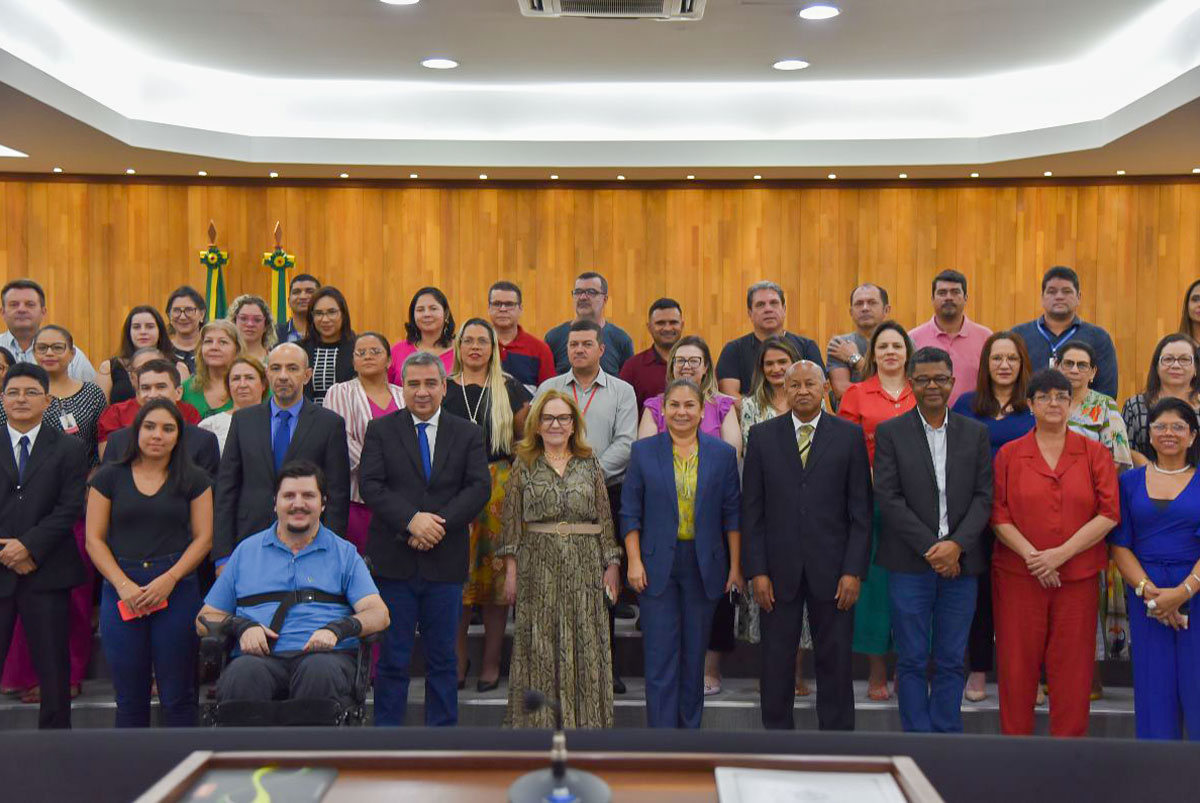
x: 559, y: 784
x: 533, y: 701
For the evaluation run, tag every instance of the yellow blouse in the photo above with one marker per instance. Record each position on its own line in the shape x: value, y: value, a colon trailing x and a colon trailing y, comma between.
x: 685, y: 492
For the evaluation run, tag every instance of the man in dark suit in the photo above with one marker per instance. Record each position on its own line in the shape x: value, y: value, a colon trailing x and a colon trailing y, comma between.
x: 806, y: 524
x: 933, y: 481
x: 159, y: 379
x: 425, y: 477
x: 43, y: 476
x: 261, y: 438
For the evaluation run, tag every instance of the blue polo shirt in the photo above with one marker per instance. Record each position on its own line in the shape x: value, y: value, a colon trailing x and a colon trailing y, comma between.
x: 262, y: 564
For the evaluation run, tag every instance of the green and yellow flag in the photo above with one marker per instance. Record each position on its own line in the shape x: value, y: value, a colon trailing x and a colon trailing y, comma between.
x: 214, y: 260
x: 278, y: 262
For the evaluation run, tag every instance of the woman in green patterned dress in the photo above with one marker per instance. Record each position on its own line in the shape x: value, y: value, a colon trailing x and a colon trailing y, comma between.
x: 561, y: 561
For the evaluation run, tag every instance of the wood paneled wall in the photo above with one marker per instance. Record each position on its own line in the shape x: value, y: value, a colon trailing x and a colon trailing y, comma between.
x: 100, y: 248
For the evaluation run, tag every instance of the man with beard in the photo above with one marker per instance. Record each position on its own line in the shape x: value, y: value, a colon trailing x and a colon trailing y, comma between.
x: 591, y: 298
x: 951, y: 331
x: 647, y: 370
x: 299, y: 597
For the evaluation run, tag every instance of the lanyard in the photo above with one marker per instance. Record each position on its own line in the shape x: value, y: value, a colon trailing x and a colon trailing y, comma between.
x: 575, y: 392
x: 1054, y: 344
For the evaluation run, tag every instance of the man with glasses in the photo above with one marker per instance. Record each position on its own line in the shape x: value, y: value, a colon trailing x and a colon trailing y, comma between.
x: 23, y: 306
x: 300, y: 292
x: 1060, y: 324
x: 647, y: 370
x: 523, y: 357
x: 185, y: 315
x: 952, y: 331
x: 591, y: 296
x: 933, y: 486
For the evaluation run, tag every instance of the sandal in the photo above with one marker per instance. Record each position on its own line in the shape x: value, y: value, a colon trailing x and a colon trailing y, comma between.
x: 803, y: 689
x: 879, y: 694
x: 711, y: 686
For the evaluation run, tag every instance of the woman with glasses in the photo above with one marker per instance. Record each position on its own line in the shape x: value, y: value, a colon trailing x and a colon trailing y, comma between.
x: 359, y: 401
x: 252, y: 317
x: 561, y: 560
x: 143, y: 328
x: 430, y: 327
x: 185, y: 313
x: 1000, y: 403
x: 329, y: 342
x: 207, y: 390
x: 1172, y: 375
x: 1156, y: 549
x: 690, y: 359
x: 246, y: 384
x: 1055, y: 500
x: 479, y: 391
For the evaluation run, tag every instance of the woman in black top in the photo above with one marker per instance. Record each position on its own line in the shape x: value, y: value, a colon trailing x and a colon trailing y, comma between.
x: 144, y: 327
x: 149, y: 525
x: 329, y: 343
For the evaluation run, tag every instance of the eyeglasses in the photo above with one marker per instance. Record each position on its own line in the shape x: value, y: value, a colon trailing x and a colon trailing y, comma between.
x: 50, y: 348
x: 590, y: 292
x: 1162, y: 427
x: 326, y: 313
x: 689, y: 362
x: 1182, y: 360
x: 1072, y: 365
x: 503, y: 304
x: 1003, y: 358
x: 941, y: 380
x: 564, y: 420
x: 1053, y: 398
x: 476, y: 341
x: 375, y: 352
x: 184, y: 312
x: 248, y: 320
x: 27, y: 393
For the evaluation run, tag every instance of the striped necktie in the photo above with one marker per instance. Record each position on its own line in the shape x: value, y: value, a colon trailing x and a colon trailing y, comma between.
x: 804, y: 442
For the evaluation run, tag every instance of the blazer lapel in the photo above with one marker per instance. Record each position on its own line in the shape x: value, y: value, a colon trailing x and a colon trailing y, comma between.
x: 819, y: 445
x: 7, y: 461
x: 443, y: 446
x: 408, y: 437
x: 704, y: 473
x: 786, y: 438
x: 923, y: 449
x: 40, y: 453
x: 308, y: 411
x: 665, y: 454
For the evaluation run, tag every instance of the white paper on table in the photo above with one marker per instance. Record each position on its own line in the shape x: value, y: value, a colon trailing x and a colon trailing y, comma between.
x: 743, y: 785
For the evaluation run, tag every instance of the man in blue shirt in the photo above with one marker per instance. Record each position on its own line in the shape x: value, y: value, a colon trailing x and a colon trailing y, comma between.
x: 1060, y: 324
x: 294, y: 645
x: 591, y: 297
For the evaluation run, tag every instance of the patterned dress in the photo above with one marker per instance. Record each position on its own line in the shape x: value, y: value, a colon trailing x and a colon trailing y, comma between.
x: 562, y: 613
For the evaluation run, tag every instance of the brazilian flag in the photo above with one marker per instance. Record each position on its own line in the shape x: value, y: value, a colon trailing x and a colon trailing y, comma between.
x: 214, y: 260
x: 278, y: 262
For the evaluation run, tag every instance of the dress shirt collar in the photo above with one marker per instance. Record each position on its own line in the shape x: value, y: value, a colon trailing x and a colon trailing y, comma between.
x: 929, y: 427
x: 433, y: 419
x: 15, y: 437
x: 601, y: 380
x: 797, y: 423
x: 294, y: 409
x: 963, y: 330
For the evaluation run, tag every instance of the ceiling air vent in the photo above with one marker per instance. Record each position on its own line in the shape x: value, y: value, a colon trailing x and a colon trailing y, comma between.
x: 615, y: 9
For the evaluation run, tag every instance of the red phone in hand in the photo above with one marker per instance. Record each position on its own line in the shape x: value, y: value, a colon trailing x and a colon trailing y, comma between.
x: 128, y: 613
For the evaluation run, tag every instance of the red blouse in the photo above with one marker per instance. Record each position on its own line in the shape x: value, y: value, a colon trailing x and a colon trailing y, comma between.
x: 868, y: 405
x: 1049, y: 505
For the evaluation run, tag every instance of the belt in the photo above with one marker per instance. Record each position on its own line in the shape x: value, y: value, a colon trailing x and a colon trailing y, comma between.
x: 564, y: 528
x: 288, y: 600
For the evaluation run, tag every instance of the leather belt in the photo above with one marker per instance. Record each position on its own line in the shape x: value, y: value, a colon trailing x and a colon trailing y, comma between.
x: 564, y: 528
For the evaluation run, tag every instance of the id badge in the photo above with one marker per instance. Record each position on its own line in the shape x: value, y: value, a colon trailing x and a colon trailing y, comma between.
x: 69, y: 425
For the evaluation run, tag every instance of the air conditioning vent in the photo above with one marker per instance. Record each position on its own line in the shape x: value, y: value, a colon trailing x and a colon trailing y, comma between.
x: 615, y: 9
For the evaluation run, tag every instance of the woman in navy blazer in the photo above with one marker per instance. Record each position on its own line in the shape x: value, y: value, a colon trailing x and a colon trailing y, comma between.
x: 679, y: 509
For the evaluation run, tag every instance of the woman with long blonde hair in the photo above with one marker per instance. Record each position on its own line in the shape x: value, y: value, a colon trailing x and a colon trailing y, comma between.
x: 206, y: 390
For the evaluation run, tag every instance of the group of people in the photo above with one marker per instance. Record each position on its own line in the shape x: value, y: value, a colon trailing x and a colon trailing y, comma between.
x: 968, y: 500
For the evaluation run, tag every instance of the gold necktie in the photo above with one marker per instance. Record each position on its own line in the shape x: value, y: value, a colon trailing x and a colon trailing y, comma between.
x: 804, y: 441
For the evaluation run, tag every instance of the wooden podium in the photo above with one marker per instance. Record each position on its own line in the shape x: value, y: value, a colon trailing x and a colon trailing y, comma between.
x: 451, y: 777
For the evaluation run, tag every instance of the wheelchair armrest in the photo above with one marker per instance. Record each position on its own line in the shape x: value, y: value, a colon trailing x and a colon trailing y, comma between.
x: 215, y: 648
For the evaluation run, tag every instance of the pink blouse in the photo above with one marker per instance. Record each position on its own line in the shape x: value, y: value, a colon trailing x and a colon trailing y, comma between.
x: 400, y: 353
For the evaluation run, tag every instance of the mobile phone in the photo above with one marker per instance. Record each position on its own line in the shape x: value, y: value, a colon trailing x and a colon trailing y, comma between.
x: 128, y: 613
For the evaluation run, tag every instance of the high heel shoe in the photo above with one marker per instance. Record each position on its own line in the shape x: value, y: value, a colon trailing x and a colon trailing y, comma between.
x: 462, y: 682
x: 485, y: 686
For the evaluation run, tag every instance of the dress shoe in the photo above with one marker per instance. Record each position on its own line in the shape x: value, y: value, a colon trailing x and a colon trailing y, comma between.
x: 618, y: 685
x: 623, y: 610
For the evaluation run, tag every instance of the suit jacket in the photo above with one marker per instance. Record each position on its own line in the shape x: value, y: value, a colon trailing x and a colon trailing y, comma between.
x: 343, y: 370
x: 201, y: 445
x: 907, y: 493
x: 393, y: 485
x: 809, y: 521
x: 41, y: 514
x: 245, y: 502
x: 650, y: 505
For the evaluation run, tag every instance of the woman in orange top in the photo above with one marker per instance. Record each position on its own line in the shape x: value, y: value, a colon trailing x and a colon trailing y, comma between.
x: 884, y: 394
x: 1055, y: 500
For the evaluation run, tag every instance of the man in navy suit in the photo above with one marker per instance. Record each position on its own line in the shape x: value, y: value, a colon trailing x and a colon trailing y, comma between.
x: 806, y: 516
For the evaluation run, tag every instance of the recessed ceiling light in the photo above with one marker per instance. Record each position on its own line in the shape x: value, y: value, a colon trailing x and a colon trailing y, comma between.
x: 343, y: 175
x: 553, y: 175
x: 620, y: 178
x: 904, y: 175
x: 1196, y: 169
x: 832, y: 175
x: 757, y: 177
x: 1047, y: 174
x: 483, y: 175
x: 439, y: 64
x: 129, y: 171
x: 273, y: 174
x: 1120, y: 172
x: 201, y: 172
x: 413, y: 175
x: 790, y: 64
x: 58, y: 170
x: 400, y: 2
x: 819, y: 12
x: 974, y: 175
x: 691, y: 177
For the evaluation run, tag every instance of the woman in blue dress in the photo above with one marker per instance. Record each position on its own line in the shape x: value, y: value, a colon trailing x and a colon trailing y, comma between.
x: 1157, y: 548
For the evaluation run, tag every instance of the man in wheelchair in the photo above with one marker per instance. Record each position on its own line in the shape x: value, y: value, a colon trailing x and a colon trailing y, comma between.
x: 295, y: 599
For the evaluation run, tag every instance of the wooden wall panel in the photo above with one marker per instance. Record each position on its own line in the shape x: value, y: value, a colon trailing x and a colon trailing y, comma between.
x: 99, y: 248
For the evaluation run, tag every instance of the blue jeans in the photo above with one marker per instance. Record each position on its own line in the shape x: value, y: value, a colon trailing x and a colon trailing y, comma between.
x: 931, y: 615
x: 675, y: 629
x: 165, y: 640
x: 435, y: 607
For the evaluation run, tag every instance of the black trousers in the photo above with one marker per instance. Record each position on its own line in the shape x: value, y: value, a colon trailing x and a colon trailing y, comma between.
x: 299, y: 676
x: 47, y: 626
x: 981, y: 645
x: 832, y: 635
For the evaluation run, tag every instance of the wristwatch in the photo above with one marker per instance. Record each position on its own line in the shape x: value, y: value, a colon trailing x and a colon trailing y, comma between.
x: 856, y: 359
x: 1141, y: 587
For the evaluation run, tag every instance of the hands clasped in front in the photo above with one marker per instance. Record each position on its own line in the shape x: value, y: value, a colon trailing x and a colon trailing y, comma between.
x: 943, y: 558
x: 15, y: 556
x: 426, y: 530
x: 1167, y: 602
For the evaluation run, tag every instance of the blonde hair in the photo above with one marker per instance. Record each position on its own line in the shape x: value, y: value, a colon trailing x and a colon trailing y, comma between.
x: 269, y: 338
x: 202, y: 375
x: 531, y: 447
x: 499, y: 411
x: 707, y: 383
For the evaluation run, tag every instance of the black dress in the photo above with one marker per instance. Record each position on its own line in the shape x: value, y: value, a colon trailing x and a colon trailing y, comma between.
x: 122, y: 385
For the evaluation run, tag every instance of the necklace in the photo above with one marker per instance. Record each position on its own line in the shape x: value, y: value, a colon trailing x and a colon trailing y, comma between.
x: 557, y: 458
x: 1172, y: 470
x: 462, y: 384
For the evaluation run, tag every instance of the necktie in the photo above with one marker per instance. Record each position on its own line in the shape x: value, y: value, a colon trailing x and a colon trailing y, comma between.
x: 279, y: 444
x: 22, y: 459
x: 423, y: 443
x: 804, y: 441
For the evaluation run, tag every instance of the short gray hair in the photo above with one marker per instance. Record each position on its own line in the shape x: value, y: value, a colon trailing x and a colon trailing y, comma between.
x: 764, y: 285
x: 423, y: 358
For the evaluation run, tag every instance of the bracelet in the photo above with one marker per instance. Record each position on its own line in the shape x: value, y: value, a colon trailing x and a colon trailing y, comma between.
x: 344, y: 628
x: 1191, y: 593
x: 1141, y: 587
x: 1197, y: 579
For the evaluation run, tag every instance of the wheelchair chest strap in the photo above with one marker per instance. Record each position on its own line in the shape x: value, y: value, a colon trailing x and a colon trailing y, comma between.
x: 288, y: 600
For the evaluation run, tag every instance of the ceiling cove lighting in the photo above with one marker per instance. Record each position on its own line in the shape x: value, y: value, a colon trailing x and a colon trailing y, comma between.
x: 400, y: 2
x: 439, y: 64
x: 57, y: 170
x: 788, y: 65
x: 819, y: 12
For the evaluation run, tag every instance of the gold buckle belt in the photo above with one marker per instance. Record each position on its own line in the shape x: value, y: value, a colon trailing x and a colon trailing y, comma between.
x: 564, y: 528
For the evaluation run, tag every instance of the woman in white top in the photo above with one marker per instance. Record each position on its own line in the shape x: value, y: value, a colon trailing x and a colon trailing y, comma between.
x: 246, y: 383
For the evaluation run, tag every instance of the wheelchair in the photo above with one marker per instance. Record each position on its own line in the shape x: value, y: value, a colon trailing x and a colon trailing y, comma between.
x: 215, y: 650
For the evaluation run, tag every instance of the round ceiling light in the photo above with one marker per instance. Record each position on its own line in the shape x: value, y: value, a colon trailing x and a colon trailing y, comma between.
x: 819, y: 12
x: 439, y: 64
x: 58, y: 170
x: 400, y: 2
x: 130, y: 171
x: 790, y: 64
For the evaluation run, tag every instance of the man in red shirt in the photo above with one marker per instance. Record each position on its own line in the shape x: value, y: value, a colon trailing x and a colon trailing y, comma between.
x: 121, y: 415
x: 647, y: 370
x: 524, y: 357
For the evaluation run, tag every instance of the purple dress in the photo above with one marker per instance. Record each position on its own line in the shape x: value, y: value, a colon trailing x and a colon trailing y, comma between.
x: 710, y: 423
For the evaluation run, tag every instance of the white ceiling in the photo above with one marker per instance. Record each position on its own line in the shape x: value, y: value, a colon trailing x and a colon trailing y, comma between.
x: 933, y: 84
